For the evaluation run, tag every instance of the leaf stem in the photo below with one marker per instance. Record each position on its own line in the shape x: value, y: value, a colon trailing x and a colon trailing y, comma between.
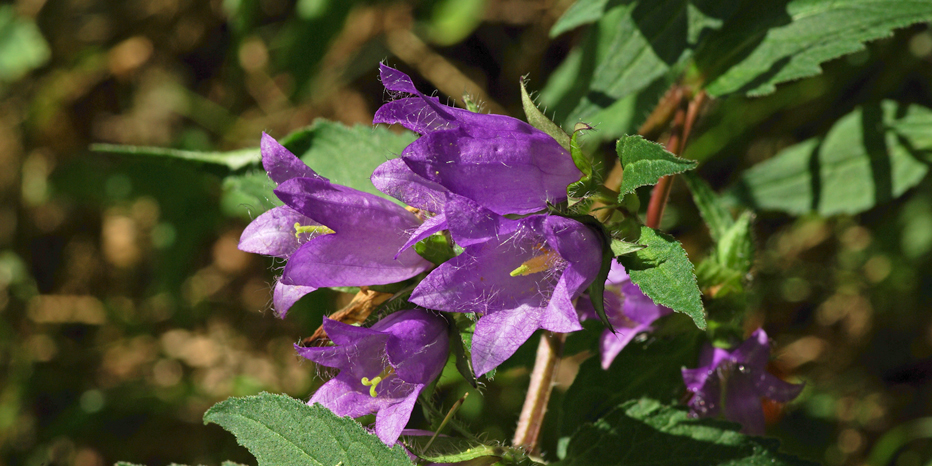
x: 549, y: 352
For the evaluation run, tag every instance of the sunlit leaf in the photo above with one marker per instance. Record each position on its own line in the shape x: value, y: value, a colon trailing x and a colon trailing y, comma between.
x: 645, y: 162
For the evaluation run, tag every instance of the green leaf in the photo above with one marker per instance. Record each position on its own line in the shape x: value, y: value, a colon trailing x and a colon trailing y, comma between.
x: 773, y: 41
x: 648, y: 368
x: 871, y: 155
x: 435, y: 248
x: 452, y: 449
x: 279, y: 430
x: 647, y: 432
x: 664, y: 273
x: 22, y: 47
x: 233, y: 160
x: 537, y: 119
x: 645, y: 162
x: 711, y: 207
x: 620, y: 248
x: 735, y: 250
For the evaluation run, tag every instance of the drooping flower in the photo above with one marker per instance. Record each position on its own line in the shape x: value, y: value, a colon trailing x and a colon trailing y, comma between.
x: 331, y: 235
x: 502, y: 163
x: 735, y: 381
x: 382, y: 368
x: 628, y: 309
x: 517, y: 275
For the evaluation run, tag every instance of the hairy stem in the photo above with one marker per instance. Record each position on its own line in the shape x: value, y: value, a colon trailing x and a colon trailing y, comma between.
x: 538, y: 393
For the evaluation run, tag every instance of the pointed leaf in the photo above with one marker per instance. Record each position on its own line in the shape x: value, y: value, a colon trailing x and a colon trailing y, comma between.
x: 711, y: 207
x: 279, y: 430
x: 232, y: 160
x: 537, y: 119
x: 645, y: 162
x: 620, y: 248
x: 735, y: 250
x: 664, y: 273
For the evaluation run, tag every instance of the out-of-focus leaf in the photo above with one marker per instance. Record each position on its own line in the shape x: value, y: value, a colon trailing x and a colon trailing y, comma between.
x: 279, y: 430
x: 774, y: 41
x: 649, y: 368
x: 233, y: 160
x: 711, y: 207
x: 871, y: 155
x: 540, y: 121
x: 664, y: 273
x: 735, y: 249
x: 454, y: 20
x: 645, y: 162
x: 22, y: 47
x: 648, y: 432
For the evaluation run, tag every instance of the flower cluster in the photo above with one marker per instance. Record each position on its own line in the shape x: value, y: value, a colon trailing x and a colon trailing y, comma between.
x: 736, y: 380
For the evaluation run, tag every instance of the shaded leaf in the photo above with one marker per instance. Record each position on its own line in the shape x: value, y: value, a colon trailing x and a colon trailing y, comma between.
x: 871, y: 155
x: 279, y: 430
x: 647, y: 432
x: 645, y: 162
x: 711, y: 207
x: 735, y: 250
x: 233, y: 160
x: 22, y: 47
x: 664, y: 273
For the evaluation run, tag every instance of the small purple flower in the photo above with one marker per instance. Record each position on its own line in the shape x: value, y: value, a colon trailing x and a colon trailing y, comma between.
x: 737, y: 380
x: 382, y: 369
x: 502, y: 163
x: 628, y: 309
x: 518, y: 275
x: 331, y: 235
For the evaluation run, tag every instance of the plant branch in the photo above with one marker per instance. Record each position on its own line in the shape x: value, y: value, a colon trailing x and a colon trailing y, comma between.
x: 549, y: 352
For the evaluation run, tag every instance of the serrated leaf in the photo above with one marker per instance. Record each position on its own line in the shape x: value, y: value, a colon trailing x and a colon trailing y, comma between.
x: 735, y: 250
x: 232, y: 160
x: 281, y: 431
x: 774, y: 41
x: 664, y: 273
x: 620, y: 248
x: 711, y: 207
x: 645, y: 162
x: 649, y: 368
x: 868, y: 157
x: 647, y: 432
x: 451, y: 449
x: 537, y: 119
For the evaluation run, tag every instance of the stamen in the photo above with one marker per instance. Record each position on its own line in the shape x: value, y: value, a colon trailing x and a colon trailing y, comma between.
x: 536, y: 264
x: 374, y: 382
x: 298, y: 228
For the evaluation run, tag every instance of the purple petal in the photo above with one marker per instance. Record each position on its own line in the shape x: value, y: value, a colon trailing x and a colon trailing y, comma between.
x: 470, y: 223
x: 284, y: 296
x: 281, y: 164
x: 611, y: 344
x: 397, y: 180
x: 755, y: 351
x: 392, y: 418
x: 418, y: 345
x: 273, y: 233
x: 507, y: 173
x: 350, y: 335
x: 419, y: 114
x: 499, y: 335
x: 560, y: 315
x: 706, y: 394
x: 342, y: 397
x: 743, y: 404
x: 770, y: 386
x: 638, y: 307
x: 430, y: 226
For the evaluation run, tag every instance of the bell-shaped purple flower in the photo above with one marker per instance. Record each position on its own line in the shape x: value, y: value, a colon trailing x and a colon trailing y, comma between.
x: 502, y: 163
x: 331, y: 235
x: 517, y: 275
x: 735, y: 381
x: 628, y: 310
x: 382, y: 368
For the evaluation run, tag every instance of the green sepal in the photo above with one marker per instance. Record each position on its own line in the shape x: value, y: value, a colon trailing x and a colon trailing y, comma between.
x: 597, y: 289
x: 435, y: 248
x: 582, y: 162
x: 453, y: 450
x: 537, y: 119
x: 461, y: 329
x: 471, y: 103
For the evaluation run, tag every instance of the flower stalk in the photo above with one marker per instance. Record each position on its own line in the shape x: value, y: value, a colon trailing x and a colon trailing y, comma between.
x: 549, y: 352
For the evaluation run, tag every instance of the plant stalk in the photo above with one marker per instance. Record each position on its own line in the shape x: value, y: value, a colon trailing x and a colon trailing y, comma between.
x: 549, y: 352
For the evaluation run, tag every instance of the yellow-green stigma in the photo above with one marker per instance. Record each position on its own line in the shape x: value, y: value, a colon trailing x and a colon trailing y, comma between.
x: 536, y: 264
x: 374, y: 382
x: 298, y: 229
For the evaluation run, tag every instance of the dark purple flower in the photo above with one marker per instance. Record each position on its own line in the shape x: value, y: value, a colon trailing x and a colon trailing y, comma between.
x: 502, y: 163
x: 628, y: 309
x: 382, y: 369
x: 517, y: 275
x: 737, y: 380
x: 331, y: 235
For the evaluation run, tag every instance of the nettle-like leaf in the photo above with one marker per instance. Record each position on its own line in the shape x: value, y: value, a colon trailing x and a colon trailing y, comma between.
x: 649, y: 368
x: 279, y: 430
x: 772, y: 41
x: 870, y: 156
x: 711, y: 207
x: 645, y: 162
x: 664, y: 273
x: 642, y: 432
x: 537, y: 119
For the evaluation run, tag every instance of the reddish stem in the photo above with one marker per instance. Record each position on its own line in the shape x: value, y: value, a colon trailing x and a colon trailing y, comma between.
x: 538, y: 393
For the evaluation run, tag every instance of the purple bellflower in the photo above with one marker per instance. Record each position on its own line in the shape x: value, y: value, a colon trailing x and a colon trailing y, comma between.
x: 737, y: 380
x: 628, y: 309
x: 502, y: 163
x: 331, y: 235
x: 382, y: 368
x: 517, y: 275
